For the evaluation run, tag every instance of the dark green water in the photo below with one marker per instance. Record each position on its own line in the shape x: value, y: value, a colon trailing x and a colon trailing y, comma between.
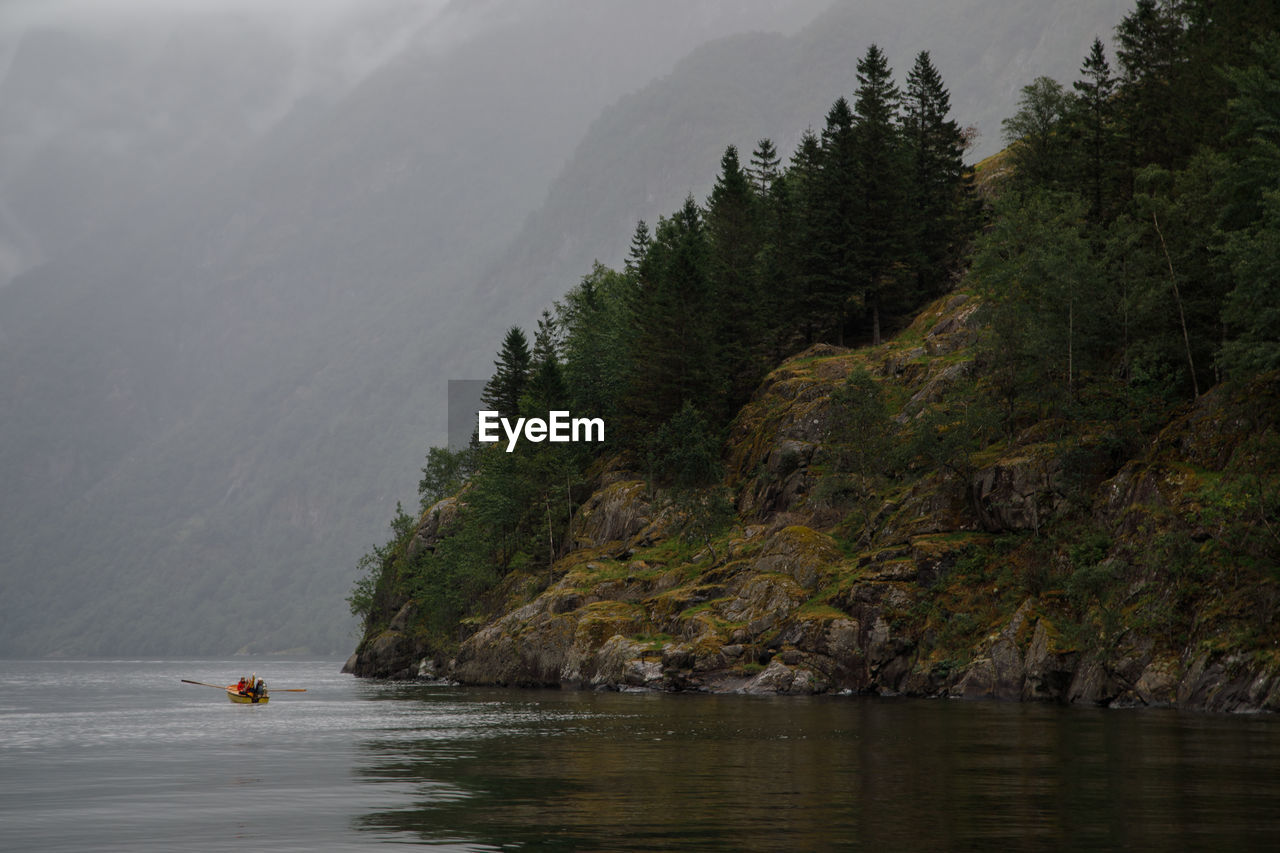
x: 652, y: 772
x: 119, y: 755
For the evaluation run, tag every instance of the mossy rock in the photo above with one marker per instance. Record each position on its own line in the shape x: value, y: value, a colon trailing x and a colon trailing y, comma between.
x: 808, y: 557
x: 761, y: 601
x: 602, y: 620
x: 614, y: 513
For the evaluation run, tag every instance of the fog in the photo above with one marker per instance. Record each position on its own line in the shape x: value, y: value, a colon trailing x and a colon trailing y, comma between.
x: 245, y: 245
x: 146, y: 89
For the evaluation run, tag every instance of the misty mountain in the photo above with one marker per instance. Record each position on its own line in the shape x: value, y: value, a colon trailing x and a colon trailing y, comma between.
x: 108, y: 107
x: 247, y: 266
x: 214, y: 386
x: 647, y: 152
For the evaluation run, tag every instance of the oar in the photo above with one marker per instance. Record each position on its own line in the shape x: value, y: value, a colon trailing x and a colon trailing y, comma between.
x: 269, y: 690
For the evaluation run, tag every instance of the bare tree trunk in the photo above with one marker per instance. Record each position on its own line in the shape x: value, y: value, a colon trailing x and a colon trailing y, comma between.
x: 1071, y: 331
x: 1177, y: 295
x: 551, y: 542
x: 1124, y: 307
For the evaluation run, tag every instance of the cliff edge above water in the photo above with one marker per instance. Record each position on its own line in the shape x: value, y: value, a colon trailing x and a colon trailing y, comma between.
x: 1058, y: 563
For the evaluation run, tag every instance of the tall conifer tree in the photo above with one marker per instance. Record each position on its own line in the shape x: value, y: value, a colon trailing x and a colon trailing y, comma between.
x: 639, y: 247
x: 1151, y: 51
x: 673, y: 334
x: 939, y: 191
x: 503, y: 390
x: 879, y: 174
x: 803, y: 305
x: 545, y: 389
x: 734, y: 241
x: 764, y: 166
x: 1095, y: 90
x: 1251, y: 215
x: 835, y: 208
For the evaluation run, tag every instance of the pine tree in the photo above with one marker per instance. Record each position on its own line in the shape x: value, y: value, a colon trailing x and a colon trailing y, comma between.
x: 879, y: 170
x: 1219, y: 34
x: 775, y: 271
x: 673, y: 337
x: 1151, y: 50
x: 596, y: 320
x: 733, y: 232
x: 545, y: 389
x: 806, y: 308
x: 764, y: 166
x: 1095, y: 90
x: 940, y: 190
x: 836, y: 274
x: 502, y: 391
x: 1251, y: 190
x: 639, y: 247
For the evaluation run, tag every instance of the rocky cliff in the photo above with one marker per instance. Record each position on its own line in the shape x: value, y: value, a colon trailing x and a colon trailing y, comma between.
x: 1054, y: 563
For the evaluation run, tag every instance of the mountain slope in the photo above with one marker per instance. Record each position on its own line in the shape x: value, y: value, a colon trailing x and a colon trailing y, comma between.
x: 213, y: 393
x: 1040, y: 567
x: 647, y: 152
x: 216, y: 384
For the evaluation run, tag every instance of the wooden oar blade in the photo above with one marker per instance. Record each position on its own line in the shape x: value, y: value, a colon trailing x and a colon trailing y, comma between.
x: 204, y: 684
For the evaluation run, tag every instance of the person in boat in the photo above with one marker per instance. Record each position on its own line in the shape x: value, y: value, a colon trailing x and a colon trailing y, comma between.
x: 240, y: 686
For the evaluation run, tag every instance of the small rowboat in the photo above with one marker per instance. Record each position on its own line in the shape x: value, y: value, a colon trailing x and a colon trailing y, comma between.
x: 246, y: 698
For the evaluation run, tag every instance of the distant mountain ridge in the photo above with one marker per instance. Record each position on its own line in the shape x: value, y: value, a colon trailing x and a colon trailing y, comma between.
x: 650, y: 149
x: 222, y: 389
x: 211, y: 400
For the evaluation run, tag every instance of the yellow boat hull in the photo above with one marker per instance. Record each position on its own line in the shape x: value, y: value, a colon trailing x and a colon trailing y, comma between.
x: 241, y: 699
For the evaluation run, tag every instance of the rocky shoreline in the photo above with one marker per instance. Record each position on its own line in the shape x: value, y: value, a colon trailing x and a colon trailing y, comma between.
x: 537, y: 646
x: 960, y: 594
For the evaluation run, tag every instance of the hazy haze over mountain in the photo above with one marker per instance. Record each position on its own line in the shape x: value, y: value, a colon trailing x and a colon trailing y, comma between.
x: 243, y: 246
x: 237, y: 232
x: 648, y: 151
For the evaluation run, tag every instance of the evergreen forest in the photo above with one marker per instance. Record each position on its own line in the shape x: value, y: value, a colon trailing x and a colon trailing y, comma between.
x: 1124, y: 249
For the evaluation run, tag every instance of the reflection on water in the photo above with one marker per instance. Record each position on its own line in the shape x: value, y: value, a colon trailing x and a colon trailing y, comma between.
x: 120, y: 756
x: 651, y: 772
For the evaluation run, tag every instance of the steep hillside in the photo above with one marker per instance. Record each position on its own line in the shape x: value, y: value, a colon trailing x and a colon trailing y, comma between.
x: 1046, y: 565
x: 645, y: 153
x: 210, y: 387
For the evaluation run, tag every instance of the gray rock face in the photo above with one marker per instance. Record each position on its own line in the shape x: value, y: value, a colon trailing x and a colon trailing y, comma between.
x: 391, y: 654
x: 999, y: 672
x: 778, y: 677
x: 1017, y: 494
x: 614, y: 513
x: 435, y: 524
x: 1048, y: 672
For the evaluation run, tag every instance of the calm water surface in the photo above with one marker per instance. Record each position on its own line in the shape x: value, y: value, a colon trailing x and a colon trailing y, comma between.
x: 120, y: 755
